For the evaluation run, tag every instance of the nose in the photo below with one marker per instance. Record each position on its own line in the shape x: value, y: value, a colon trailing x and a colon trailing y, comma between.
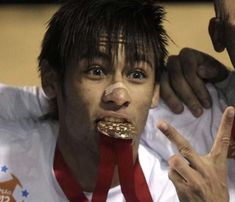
x: 118, y: 96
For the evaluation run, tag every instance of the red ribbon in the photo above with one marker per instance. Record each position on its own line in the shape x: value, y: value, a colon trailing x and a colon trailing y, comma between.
x: 66, y: 180
x: 115, y: 152
x: 112, y: 152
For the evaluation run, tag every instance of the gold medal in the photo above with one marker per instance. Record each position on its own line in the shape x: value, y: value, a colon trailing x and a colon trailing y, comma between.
x: 117, y: 130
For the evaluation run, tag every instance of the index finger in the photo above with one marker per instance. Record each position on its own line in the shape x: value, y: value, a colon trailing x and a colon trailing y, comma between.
x: 221, y: 144
x: 183, y: 146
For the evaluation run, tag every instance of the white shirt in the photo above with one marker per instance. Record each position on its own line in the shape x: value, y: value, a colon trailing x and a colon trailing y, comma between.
x: 21, y: 102
x: 27, y: 147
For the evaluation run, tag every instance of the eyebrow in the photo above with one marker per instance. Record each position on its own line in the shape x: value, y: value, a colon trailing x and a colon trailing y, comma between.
x: 97, y: 54
x: 140, y: 57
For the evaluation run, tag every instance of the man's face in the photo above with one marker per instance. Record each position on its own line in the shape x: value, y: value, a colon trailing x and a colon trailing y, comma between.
x: 225, y: 10
x: 85, y: 101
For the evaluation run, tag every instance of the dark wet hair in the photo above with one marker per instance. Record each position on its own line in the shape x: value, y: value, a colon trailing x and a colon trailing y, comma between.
x: 76, y: 28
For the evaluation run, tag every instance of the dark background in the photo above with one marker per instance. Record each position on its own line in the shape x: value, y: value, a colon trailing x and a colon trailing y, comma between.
x: 58, y: 1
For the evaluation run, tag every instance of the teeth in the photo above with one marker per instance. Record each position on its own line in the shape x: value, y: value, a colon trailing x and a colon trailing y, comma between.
x: 117, y: 129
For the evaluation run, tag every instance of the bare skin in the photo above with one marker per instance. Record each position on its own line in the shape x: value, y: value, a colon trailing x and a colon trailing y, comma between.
x: 190, y: 69
x: 184, y: 82
x: 200, y: 178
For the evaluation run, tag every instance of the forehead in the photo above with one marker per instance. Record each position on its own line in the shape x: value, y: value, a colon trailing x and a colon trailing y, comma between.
x: 132, y: 48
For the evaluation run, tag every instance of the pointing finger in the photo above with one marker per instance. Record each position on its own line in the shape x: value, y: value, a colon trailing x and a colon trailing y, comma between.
x: 183, y: 146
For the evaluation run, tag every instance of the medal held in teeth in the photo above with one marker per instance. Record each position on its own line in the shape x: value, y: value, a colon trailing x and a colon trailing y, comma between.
x: 117, y: 130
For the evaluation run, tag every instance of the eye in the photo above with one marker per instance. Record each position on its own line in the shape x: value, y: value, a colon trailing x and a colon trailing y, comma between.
x: 137, y: 75
x: 96, y: 72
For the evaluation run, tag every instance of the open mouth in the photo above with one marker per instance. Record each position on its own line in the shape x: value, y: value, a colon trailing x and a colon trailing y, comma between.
x: 116, y: 128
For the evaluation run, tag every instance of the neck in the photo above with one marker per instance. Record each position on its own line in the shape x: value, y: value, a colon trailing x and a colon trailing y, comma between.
x: 83, y: 162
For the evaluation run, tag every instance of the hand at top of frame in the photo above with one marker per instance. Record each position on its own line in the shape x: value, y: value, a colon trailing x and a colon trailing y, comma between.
x: 201, y: 178
x: 185, y: 78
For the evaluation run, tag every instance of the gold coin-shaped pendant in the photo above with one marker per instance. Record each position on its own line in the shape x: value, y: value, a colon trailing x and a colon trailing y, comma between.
x: 117, y: 130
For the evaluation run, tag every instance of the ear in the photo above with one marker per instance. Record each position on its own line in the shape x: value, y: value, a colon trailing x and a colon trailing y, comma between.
x: 48, y: 79
x: 156, y: 95
x: 216, y: 31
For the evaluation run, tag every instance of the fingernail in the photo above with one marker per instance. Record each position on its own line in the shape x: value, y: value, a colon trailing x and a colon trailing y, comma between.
x: 162, y: 126
x: 206, y: 103
x: 178, y: 109
x: 197, y: 111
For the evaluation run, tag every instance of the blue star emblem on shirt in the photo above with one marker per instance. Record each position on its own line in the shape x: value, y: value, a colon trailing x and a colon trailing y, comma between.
x: 25, y: 193
x: 4, y: 169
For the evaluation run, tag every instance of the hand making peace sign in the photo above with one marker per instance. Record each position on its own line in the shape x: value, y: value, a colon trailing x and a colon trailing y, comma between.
x: 201, y: 178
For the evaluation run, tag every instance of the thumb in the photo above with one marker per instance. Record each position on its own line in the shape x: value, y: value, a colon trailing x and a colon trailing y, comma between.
x: 212, y: 71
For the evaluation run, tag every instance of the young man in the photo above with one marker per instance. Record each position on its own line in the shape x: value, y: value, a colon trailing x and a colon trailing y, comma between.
x: 100, y: 65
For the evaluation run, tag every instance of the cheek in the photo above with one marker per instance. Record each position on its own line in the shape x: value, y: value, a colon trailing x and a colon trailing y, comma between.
x: 77, y: 105
x: 91, y: 97
x: 142, y: 105
x: 144, y: 97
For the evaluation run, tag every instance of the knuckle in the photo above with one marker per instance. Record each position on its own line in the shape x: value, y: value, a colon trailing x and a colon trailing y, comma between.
x: 169, y: 134
x: 175, y: 161
x: 186, y: 151
x: 171, y: 60
x: 185, y: 51
x: 225, y: 141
